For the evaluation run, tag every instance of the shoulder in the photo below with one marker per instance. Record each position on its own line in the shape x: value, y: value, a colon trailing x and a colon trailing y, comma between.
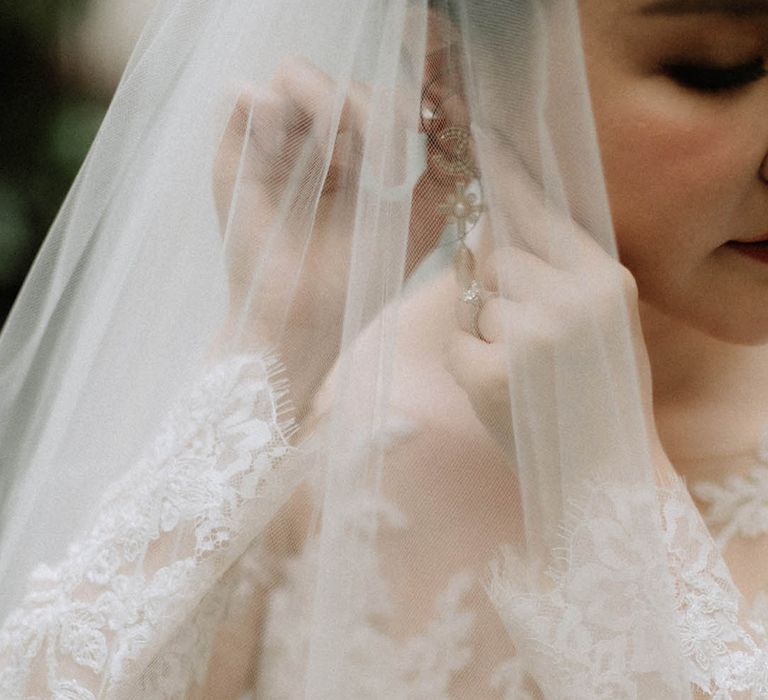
x: 453, y: 485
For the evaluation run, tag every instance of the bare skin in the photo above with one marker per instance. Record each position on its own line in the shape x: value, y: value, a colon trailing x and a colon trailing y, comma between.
x: 683, y: 168
x: 686, y: 172
x: 700, y: 158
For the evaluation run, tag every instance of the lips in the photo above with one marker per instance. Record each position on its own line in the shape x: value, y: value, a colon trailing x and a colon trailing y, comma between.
x: 756, y: 248
x: 757, y: 239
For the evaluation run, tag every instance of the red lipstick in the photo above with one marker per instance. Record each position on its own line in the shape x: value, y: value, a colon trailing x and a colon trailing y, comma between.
x: 755, y: 248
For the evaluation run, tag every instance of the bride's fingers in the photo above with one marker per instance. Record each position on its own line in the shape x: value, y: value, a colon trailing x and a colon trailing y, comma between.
x: 473, y: 363
x: 495, y: 318
x: 538, y: 221
x: 594, y: 290
x: 257, y: 121
x: 301, y: 100
x: 515, y: 334
x: 265, y: 146
x: 524, y: 328
x: 229, y: 153
x: 330, y: 107
x: 519, y: 274
x: 467, y: 313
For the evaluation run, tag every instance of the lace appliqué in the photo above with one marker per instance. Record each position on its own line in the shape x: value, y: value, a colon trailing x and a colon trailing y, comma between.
x: 133, y: 606
x: 590, y: 626
x: 737, y: 506
x: 376, y: 665
x: 726, y: 648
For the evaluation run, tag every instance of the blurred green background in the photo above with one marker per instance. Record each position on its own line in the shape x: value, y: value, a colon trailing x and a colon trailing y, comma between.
x: 54, y: 96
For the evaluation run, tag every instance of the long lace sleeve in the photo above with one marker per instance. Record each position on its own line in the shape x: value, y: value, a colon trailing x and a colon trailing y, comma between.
x: 132, y: 608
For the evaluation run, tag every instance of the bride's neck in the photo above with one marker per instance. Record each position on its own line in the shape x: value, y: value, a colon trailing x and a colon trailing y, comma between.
x: 689, y: 365
x: 710, y: 396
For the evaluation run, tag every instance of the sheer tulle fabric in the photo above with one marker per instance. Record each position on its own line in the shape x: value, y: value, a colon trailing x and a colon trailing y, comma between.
x: 234, y: 462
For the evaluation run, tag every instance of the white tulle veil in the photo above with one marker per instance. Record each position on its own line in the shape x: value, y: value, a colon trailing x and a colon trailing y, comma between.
x: 272, y: 178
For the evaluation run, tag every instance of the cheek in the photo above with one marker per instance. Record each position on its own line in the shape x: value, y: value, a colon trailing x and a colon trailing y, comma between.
x: 667, y: 163
x: 670, y: 174
x: 680, y: 180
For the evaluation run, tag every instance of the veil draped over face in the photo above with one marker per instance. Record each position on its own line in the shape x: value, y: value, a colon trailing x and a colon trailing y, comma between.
x: 326, y: 383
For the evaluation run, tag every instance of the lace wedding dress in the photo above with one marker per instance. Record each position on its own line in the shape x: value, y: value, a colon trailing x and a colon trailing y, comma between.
x: 132, y: 611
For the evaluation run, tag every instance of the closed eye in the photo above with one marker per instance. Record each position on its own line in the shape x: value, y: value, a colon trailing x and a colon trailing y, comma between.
x: 713, y: 78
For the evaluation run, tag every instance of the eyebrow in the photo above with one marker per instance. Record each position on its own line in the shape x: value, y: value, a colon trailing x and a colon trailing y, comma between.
x: 731, y: 8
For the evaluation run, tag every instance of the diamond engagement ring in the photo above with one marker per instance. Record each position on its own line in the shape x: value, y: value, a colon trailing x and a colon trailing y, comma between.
x: 470, y: 307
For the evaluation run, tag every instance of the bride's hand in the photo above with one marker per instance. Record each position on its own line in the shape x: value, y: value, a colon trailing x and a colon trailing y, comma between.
x: 286, y: 218
x: 533, y: 309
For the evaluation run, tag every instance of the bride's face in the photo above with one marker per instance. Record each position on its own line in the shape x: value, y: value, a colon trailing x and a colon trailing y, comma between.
x: 680, y: 95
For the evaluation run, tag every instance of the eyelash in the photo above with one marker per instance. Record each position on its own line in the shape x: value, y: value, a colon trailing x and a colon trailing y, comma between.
x: 714, y: 79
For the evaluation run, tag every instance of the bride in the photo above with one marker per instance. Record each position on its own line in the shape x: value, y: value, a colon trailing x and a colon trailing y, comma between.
x: 401, y: 350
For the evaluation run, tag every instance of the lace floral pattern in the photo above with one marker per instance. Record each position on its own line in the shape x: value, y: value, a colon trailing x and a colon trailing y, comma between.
x: 595, y: 620
x: 378, y: 667
x: 737, y: 506
x: 131, y: 608
x: 726, y: 648
x: 423, y: 667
